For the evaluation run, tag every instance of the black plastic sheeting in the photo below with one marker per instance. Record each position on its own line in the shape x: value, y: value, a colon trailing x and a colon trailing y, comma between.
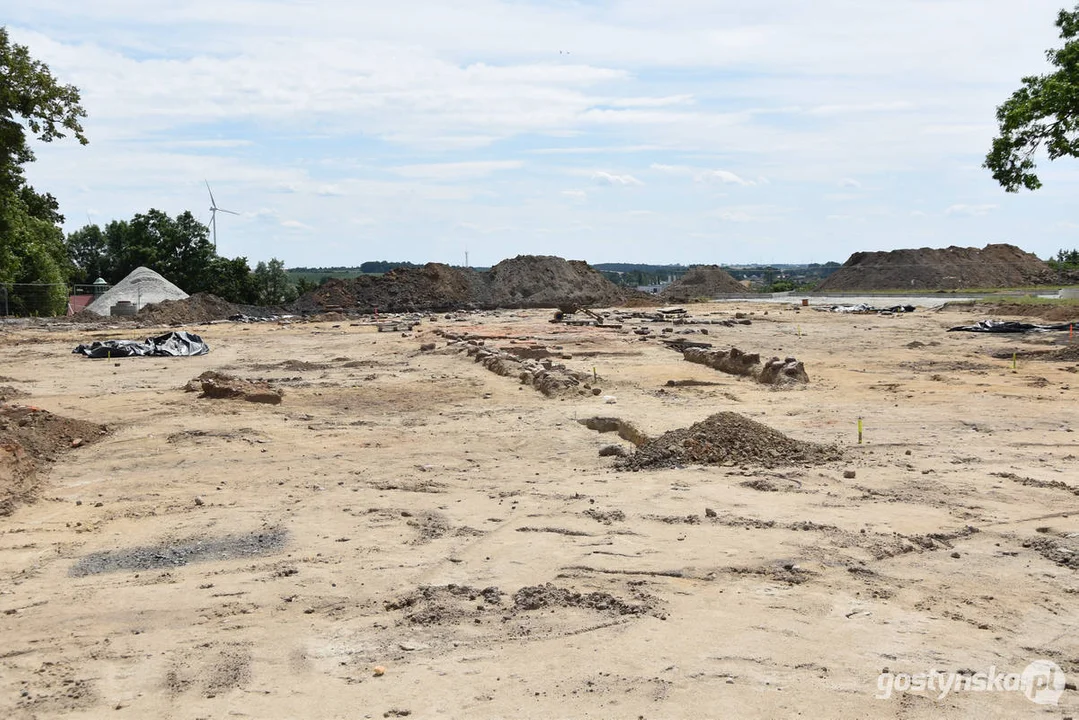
x: 172, y: 344
x: 1009, y: 326
x: 864, y: 309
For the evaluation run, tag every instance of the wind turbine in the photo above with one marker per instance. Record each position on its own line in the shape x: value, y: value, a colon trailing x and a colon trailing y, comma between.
x: 214, y: 209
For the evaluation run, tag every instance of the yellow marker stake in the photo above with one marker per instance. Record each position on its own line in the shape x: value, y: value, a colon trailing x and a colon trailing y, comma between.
x: 859, y: 431
x: 594, y: 376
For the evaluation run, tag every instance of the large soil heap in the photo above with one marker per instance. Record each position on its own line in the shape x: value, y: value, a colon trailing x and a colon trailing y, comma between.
x: 727, y: 438
x: 702, y: 281
x: 524, y: 281
x: 995, y: 266
x: 548, y: 281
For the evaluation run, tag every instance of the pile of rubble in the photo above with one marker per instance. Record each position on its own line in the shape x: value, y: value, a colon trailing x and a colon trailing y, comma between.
x: 545, y: 375
x: 215, y: 385
x: 727, y: 438
x: 777, y: 372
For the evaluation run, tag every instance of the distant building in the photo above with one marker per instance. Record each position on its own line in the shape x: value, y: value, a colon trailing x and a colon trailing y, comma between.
x: 655, y: 289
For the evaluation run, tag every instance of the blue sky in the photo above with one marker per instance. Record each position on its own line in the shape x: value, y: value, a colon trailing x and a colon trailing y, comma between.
x: 691, y: 131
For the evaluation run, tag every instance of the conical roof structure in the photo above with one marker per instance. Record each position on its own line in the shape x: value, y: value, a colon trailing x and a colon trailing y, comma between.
x: 141, y: 287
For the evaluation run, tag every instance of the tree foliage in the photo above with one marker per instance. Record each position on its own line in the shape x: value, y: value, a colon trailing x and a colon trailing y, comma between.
x: 31, y: 99
x: 1043, y: 113
x: 181, y: 251
x: 32, y: 102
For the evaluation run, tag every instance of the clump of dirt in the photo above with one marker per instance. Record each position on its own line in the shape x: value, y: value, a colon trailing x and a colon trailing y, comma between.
x: 524, y: 281
x: 198, y: 308
x: 217, y: 385
x: 625, y: 429
x: 438, y: 604
x: 537, y: 597
x: 953, y: 268
x: 7, y: 392
x: 728, y: 438
x: 31, y: 439
x: 449, y: 604
x: 605, y: 516
x: 1061, y: 550
x: 702, y: 281
x: 1063, y: 354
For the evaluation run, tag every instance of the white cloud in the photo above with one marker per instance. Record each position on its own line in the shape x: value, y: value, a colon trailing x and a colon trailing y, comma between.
x: 849, y: 183
x: 456, y: 171
x: 704, y: 175
x: 601, y: 177
x: 724, y: 176
x: 970, y: 210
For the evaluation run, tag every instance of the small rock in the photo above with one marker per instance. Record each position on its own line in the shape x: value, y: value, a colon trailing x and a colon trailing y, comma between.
x: 199, y: 500
x: 956, y: 555
x: 613, y: 451
x: 610, y: 399
x: 77, y: 442
x: 849, y: 474
x: 427, y: 347
x: 597, y: 391
x: 709, y: 512
x: 378, y: 671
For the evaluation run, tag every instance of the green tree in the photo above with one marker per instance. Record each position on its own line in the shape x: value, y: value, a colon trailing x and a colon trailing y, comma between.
x: 87, y: 250
x: 305, y: 285
x: 232, y: 280
x: 32, y: 103
x: 1044, y: 112
x: 31, y: 99
x: 272, y: 283
x: 32, y: 255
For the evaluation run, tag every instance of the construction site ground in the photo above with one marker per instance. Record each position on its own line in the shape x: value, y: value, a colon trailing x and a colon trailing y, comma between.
x: 409, y: 534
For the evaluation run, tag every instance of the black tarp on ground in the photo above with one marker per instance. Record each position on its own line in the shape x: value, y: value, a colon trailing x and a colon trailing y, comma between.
x: 1008, y: 326
x: 172, y: 344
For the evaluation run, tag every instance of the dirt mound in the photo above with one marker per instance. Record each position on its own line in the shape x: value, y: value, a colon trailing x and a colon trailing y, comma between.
x: 702, y: 281
x: 994, y: 266
x: 548, y: 281
x: 199, y: 308
x: 433, y: 287
x: 524, y: 281
x: 727, y: 438
x: 30, y: 439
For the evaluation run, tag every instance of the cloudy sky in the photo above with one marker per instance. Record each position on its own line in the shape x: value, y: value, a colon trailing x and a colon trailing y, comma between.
x: 683, y: 131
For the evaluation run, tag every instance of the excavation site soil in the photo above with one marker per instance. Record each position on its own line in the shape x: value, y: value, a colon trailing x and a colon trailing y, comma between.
x: 486, y: 514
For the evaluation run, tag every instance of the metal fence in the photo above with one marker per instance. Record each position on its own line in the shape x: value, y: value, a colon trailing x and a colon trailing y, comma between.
x: 43, y: 299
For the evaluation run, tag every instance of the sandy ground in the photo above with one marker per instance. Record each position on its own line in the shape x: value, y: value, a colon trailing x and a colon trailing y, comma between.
x: 388, y: 512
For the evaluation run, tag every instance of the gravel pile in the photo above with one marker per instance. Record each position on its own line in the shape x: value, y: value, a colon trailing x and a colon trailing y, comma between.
x: 727, y: 438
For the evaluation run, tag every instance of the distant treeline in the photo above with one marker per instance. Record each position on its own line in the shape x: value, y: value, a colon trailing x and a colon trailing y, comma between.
x: 637, y: 274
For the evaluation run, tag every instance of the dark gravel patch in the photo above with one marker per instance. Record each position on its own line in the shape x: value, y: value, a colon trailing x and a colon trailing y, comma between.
x: 150, y: 557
